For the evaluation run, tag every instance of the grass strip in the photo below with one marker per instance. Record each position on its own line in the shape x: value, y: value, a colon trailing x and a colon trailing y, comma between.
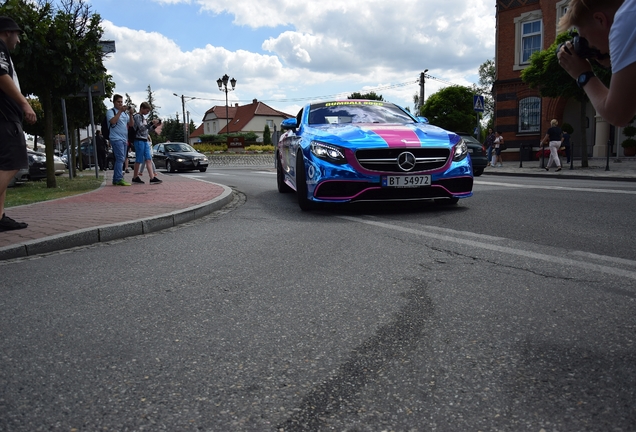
x: 36, y: 191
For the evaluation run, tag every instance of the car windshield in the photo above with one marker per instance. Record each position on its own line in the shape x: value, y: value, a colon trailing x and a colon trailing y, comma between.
x: 179, y: 148
x: 352, y: 111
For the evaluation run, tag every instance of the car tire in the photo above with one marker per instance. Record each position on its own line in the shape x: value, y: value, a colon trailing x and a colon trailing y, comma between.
x: 301, y: 184
x: 446, y: 201
x: 170, y: 167
x: 478, y: 172
x: 280, y: 178
x: 203, y: 169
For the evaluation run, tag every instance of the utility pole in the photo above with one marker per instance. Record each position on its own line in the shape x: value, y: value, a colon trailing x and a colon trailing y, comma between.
x: 422, y: 83
x: 185, y: 125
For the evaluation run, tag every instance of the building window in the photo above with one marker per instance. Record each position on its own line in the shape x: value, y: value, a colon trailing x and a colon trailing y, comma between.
x: 528, y: 37
x: 529, y: 115
x: 270, y: 123
x: 530, y: 40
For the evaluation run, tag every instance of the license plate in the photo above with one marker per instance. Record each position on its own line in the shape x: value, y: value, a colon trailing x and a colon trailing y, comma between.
x: 406, y: 181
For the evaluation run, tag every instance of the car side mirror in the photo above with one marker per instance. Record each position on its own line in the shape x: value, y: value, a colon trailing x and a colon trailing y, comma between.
x: 289, y: 123
x: 422, y: 119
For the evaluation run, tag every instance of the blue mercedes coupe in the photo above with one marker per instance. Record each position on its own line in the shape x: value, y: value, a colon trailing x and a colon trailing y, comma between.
x: 366, y: 150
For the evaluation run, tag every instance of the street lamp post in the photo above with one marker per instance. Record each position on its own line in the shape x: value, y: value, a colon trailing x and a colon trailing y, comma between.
x: 186, y: 126
x: 222, y: 83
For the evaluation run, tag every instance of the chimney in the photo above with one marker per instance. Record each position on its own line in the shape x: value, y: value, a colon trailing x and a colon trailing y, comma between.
x: 254, y: 101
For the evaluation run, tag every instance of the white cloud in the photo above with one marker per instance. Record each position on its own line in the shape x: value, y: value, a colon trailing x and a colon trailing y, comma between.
x: 322, y: 48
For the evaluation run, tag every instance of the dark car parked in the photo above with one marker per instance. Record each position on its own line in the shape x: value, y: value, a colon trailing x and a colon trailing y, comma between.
x: 477, y: 153
x: 178, y: 156
x: 37, y: 165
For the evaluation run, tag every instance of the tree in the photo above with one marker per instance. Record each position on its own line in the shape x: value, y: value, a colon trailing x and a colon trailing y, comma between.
x: 486, y: 82
x: 451, y: 108
x: 153, y: 114
x: 267, y: 136
x: 58, y: 55
x: 545, y: 74
x: 370, y: 96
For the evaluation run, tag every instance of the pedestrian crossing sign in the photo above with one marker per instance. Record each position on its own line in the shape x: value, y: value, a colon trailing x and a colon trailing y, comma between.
x: 478, y: 103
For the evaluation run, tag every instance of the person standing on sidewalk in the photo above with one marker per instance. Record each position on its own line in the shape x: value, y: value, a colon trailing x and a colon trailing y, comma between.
x: 497, y: 143
x: 119, y: 118
x: 566, y: 144
x: 143, y: 155
x: 13, y: 107
x: 101, y: 150
x: 555, y: 137
x: 489, y: 143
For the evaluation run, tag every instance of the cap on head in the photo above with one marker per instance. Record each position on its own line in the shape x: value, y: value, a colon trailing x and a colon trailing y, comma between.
x: 7, y: 24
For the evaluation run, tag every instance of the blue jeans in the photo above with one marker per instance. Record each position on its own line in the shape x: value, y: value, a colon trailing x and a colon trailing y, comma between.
x: 489, y: 153
x: 119, y: 151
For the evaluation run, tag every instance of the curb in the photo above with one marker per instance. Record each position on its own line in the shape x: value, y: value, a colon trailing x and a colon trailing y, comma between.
x: 105, y: 233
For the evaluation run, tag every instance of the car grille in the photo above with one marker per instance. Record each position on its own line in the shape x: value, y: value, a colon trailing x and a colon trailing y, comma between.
x: 386, y: 160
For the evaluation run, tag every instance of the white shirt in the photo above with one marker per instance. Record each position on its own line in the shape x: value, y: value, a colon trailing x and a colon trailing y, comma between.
x: 622, y: 36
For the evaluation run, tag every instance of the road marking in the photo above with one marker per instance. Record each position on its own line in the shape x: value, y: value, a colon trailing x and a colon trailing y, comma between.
x: 264, y: 172
x: 561, y: 188
x: 502, y: 249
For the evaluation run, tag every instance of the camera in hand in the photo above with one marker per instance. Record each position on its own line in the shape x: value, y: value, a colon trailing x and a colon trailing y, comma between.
x: 582, y: 48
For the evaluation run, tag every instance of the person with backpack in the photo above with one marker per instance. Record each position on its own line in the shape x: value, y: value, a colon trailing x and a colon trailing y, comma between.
x: 119, y: 119
x: 143, y: 155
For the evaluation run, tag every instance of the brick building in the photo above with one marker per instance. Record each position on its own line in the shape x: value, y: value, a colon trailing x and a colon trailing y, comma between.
x: 521, y: 114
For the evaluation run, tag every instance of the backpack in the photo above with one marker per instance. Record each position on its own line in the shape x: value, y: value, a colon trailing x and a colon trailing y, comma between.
x: 132, y: 133
x: 106, y: 126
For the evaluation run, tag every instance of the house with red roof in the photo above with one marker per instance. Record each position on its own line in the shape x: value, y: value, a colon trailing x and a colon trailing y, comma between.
x: 239, y: 118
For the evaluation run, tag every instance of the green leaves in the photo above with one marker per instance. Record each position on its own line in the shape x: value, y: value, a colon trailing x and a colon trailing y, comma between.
x: 451, y: 108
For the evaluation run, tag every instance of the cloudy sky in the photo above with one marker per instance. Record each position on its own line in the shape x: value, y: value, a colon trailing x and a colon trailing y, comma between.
x: 287, y: 53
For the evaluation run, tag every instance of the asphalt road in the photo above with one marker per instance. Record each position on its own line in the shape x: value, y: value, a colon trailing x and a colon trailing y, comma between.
x: 512, y: 311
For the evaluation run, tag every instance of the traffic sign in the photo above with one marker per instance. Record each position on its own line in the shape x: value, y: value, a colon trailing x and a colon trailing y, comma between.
x: 478, y: 103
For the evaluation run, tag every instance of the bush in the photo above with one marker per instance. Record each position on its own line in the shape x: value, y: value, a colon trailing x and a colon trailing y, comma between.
x: 260, y: 148
x: 210, y: 148
x: 630, y: 142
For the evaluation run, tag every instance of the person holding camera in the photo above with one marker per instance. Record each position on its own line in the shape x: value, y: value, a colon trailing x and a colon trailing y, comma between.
x: 143, y: 155
x: 119, y: 119
x: 607, y: 35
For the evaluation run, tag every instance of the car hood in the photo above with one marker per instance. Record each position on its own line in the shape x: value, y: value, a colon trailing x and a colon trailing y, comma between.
x: 187, y: 155
x: 373, y: 135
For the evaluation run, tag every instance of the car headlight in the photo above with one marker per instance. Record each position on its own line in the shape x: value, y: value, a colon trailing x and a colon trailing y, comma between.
x: 461, y: 150
x: 328, y: 152
x: 39, y: 158
x: 180, y: 160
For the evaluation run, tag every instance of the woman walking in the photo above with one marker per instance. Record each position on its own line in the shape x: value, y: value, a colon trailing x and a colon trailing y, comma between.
x: 554, y: 136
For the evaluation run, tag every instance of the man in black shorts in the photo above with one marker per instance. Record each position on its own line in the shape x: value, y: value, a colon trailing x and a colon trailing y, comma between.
x: 13, y: 106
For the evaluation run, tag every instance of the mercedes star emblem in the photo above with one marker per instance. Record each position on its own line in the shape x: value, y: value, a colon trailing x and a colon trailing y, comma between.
x: 406, y: 161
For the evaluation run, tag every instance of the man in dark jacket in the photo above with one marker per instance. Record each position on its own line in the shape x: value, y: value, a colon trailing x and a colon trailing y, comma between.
x: 101, y: 151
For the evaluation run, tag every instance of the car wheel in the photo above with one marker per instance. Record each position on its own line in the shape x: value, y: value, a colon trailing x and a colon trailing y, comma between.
x: 170, y: 167
x: 478, y: 172
x: 280, y: 178
x: 203, y: 169
x: 301, y: 183
x: 446, y: 201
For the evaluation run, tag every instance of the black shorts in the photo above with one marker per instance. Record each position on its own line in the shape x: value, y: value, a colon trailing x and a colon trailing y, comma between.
x: 13, y: 153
